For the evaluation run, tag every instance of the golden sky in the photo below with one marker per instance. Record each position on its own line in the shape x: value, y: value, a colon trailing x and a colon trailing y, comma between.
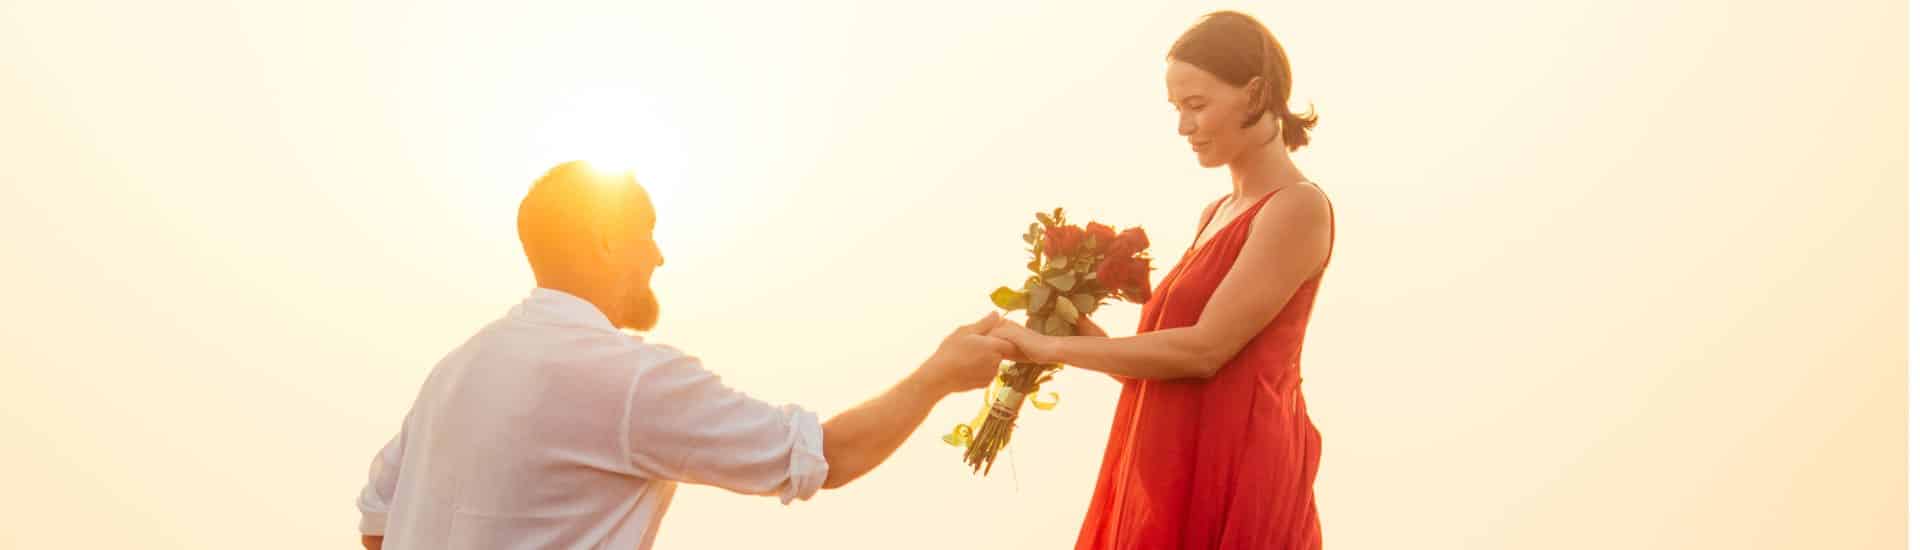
x: 1622, y: 274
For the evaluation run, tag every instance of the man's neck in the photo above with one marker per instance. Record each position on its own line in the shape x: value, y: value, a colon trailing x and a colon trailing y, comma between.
x: 599, y: 295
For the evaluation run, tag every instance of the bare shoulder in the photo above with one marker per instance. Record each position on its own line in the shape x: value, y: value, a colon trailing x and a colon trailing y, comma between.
x: 1300, y: 209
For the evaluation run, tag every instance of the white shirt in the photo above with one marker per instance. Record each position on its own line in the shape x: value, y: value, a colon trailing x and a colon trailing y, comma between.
x: 552, y: 429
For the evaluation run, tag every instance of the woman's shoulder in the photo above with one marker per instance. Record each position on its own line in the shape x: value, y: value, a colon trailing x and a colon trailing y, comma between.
x: 1301, y: 198
x: 1304, y: 190
x: 1295, y: 206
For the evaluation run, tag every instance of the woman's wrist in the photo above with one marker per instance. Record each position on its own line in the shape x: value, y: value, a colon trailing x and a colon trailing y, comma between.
x: 1053, y: 349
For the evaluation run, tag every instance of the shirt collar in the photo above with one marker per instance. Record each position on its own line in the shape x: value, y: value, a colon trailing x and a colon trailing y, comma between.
x: 553, y: 307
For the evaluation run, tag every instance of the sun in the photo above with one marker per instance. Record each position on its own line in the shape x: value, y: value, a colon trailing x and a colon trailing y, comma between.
x: 617, y: 130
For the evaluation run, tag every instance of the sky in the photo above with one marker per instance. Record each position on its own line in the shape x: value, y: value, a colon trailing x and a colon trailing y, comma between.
x: 1608, y: 274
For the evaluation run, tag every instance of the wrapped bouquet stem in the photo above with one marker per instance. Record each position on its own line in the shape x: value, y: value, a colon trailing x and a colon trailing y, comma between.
x: 1073, y: 271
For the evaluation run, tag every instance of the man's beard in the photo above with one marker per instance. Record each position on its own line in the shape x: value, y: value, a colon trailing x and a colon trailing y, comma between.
x: 642, y: 311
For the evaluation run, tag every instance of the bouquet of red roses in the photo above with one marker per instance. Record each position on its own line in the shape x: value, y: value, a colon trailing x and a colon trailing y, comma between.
x: 1073, y: 271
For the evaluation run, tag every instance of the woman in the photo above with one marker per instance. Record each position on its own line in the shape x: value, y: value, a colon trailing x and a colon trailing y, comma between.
x: 1211, y: 446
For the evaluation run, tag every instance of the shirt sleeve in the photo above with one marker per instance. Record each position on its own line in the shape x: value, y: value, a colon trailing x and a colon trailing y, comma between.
x: 683, y: 424
x: 382, y: 476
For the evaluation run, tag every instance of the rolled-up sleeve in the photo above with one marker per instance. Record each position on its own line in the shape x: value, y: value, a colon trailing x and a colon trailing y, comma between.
x: 683, y: 424
x: 382, y: 476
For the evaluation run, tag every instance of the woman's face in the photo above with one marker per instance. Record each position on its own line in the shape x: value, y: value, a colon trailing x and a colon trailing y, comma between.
x: 1211, y: 112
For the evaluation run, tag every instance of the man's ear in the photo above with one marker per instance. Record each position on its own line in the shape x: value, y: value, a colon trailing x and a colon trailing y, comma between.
x: 606, y: 246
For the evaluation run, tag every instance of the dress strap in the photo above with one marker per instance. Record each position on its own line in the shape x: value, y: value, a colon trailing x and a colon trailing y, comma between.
x: 1211, y: 210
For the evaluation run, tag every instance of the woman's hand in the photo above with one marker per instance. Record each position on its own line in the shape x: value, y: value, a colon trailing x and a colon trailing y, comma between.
x: 1031, y: 347
x: 1034, y: 347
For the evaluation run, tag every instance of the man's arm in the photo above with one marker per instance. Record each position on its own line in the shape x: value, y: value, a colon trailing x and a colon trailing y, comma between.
x: 377, y: 496
x: 862, y: 437
x: 683, y: 425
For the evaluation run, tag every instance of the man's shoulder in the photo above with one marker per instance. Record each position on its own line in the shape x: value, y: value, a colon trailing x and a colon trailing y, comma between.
x: 576, y: 351
x: 647, y: 353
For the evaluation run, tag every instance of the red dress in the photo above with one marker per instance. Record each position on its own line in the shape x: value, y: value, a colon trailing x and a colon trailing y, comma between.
x: 1222, y: 463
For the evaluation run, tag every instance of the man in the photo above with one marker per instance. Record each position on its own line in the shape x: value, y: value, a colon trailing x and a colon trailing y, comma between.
x: 551, y: 428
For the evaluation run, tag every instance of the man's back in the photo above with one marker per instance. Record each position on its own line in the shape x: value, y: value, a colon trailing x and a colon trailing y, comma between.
x: 525, y: 437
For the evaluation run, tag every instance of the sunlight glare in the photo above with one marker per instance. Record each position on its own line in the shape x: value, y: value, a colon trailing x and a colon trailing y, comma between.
x: 617, y: 129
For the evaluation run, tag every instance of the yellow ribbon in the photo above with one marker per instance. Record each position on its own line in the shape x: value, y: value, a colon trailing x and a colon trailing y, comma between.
x: 1045, y: 405
x: 962, y: 434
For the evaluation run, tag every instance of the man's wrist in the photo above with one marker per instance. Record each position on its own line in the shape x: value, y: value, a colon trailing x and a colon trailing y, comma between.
x: 921, y: 383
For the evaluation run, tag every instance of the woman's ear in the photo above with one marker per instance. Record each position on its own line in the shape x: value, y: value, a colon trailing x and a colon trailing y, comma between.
x: 1256, y: 94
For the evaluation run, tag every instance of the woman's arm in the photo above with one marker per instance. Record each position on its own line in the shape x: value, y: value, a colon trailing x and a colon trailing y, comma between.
x: 1288, y: 242
x: 1086, y: 327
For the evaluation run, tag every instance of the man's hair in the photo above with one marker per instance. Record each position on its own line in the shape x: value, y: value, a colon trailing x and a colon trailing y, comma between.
x: 570, y: 209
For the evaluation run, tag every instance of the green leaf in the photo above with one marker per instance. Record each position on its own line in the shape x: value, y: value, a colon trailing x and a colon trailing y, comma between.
x: 1056, y: 328
x: 1062, y: 282
x: 1027, y: 237
x: 1044, y: 220
x: 1085, y: 304
x: 1064, y: 309
x: 1009, y: 299
x: 1042, y: 296
x: 1084, y: 264
x: 1067, y: 324
x: 1059, y: 216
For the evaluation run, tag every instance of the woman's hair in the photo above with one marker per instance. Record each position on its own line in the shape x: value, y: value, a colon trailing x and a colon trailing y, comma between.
x: 1235, y: 48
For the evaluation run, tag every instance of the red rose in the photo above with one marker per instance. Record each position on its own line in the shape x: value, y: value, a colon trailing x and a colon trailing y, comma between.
x: 1125, y: 276
x: 1101, y: 235
x: 1128, y: 243
x: 1063, y: 240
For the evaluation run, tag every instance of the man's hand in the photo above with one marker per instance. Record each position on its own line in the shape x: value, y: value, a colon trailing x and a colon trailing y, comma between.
x: 968, y: 359
x: 859, y: 439
x: 372, y: 542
